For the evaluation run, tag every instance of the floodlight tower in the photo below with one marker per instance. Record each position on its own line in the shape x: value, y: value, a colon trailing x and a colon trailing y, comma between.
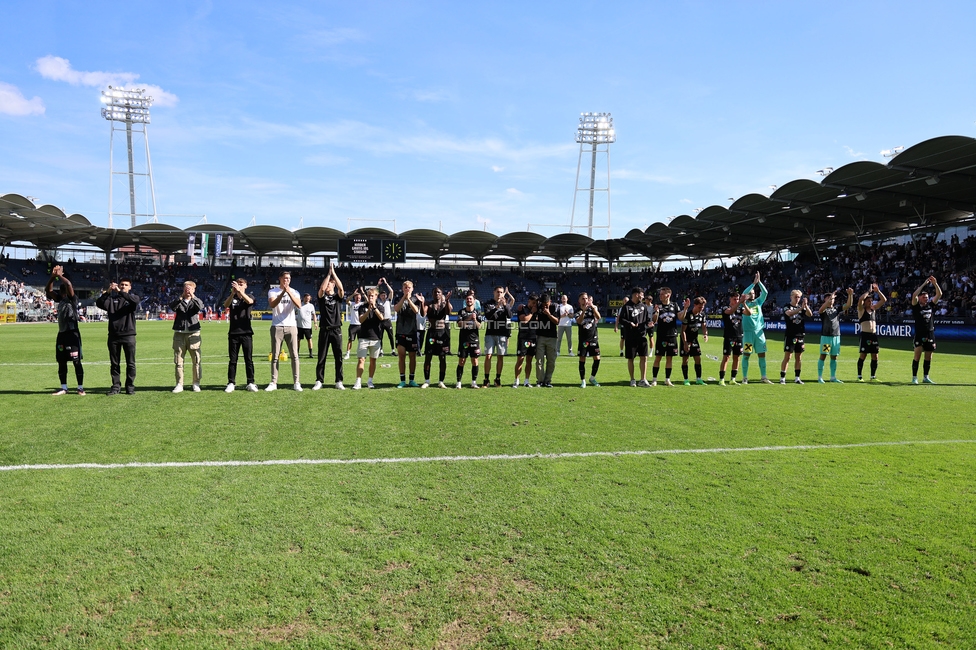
x: 594, y: 134
x: 129, y: 107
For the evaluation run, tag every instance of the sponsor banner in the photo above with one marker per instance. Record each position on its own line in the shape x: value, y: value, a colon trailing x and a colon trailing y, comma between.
x: 219, y: 240
x: 191, y: 247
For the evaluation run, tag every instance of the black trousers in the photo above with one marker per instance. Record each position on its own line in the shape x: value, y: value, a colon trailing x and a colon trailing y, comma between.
x: 236, y: 344
x: 329, y: 337
x: 116, y: 346
x: 388, y: 330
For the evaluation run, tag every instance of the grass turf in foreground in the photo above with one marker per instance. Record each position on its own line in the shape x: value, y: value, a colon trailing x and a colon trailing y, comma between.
x: 870, y: 546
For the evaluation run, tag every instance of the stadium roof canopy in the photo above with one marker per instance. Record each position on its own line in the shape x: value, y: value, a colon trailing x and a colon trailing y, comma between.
x: 928, y: 186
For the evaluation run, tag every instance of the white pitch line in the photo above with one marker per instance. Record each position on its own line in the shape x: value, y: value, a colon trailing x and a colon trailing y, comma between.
x: 440, y: 459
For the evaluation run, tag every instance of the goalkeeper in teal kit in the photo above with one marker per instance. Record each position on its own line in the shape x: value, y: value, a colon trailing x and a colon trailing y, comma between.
x: 754, y: 329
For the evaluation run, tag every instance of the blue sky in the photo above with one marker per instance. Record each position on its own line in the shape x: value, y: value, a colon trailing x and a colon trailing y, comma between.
x: 457, y: 115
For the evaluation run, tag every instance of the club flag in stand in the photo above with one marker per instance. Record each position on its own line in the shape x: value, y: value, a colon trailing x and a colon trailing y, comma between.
x: 230, y: 245
x: 191, y: 242
x: 219, y: 239
x: 204, y: 250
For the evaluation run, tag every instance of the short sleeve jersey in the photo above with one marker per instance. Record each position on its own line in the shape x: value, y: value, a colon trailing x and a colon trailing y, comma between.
x: 68, y: 314
x: 406, y: 324
x: 830, y: 321
x: 469, y: 321
x: 693, y: 325
x: 437, y: 317
x: 732, y: 324
x: 498, y: 318
x: 370, y: 323
x: 588, y: 326
x: 330, y: 308
x: 633, y: 321
x: 924, y: 323
x: 526, y: 330
x: 304, y: 314
x: 667, y: 320
x: 240, y: 317
x: 795, y: 324
x: 352, y: 312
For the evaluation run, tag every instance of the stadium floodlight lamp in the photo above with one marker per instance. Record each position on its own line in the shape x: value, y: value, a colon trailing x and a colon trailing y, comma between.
x: 595, y: 128
x: 123, y: 105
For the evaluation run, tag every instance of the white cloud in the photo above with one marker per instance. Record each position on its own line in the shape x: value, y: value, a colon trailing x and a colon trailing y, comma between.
x: 432, y: 95
x: 13, y: 102
x: 688, y: 201
x: 56, y: 68
x: 852, y: 153
x: 513, y: 192
x: 496, y: 169
x: 332, y: 37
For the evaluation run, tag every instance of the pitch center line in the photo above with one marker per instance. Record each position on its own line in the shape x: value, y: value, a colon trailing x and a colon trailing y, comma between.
x: 489, y: 457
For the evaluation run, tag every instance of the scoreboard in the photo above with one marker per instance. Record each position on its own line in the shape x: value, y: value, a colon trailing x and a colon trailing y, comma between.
x: 373, y: 251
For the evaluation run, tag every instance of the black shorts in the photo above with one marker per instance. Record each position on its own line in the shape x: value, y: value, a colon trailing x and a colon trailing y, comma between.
x: 927, y: 343
x: 525, y: 348
x: 732, y: 347
x: 408, y: 342
x: 869, y: 344
x: 68, y: 347
x: 353, y: 332
x: 694, y: 350
x: 588, y: 348
x: 469, y: 349
x: 304, y: 333
x: 794, y: 344
x: 635, y: 348
x: 438, y: 343
x: 666, y: 346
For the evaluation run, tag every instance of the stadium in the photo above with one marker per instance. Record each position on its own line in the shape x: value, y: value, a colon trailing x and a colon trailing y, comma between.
x: 594, y: 504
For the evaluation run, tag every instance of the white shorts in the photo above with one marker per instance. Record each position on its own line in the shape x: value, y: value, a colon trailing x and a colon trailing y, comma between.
x: 369, y: 348
x: 496, y: 344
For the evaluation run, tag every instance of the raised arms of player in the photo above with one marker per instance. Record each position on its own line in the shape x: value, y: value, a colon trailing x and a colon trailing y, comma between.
x: 929, y: 280
x: 58, y: 272
x: 850, y: 299
x: 756, y: 282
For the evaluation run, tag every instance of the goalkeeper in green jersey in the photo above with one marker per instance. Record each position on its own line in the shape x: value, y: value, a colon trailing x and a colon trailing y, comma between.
x: 754, y: 329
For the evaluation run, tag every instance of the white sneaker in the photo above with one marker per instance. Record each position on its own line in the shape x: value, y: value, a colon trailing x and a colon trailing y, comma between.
x: 667, y: 382
x: 643, y: 384
x: 633, y: 383
x: 339, y: 386
x: 357, y: 385
x: 474, y: 384
x: 426, y: 384
x: 346, y: 357
x: 229, y: 389
x: 369, y: 383
x: 516, y: 384
x: 745, y: 382
x: 297, y: 387
x: 441, y: 384
x: 797, y: 381
x: 272, y: 386
x: 458, y: 386
x: 317, y: 385
x: 196, y: 388
x: 653, y: 383
x: 583, y: 384
x: 782, y: 380
x: 178, y: 388
x: 251, y: 388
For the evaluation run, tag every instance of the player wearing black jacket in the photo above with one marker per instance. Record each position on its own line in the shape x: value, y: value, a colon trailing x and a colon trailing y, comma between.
x: 121, y: 304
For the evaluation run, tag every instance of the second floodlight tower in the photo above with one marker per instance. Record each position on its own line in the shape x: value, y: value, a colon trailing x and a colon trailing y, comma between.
x: 131, y: 108
x: 594, y: 134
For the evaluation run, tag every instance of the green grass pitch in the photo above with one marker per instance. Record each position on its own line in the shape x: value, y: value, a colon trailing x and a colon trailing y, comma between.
x: 833, y: 546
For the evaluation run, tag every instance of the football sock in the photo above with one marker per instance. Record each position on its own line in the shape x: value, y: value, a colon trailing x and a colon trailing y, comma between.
x: 762, y: 366
x: 698, y: 370
x: 915, y: 368
x: 926, y: 366
x: 745, y: 365
x: 874, y: 367
x: 833, y: 367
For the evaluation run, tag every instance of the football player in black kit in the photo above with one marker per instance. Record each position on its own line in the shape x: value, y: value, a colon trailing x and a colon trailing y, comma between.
x: 666, y: 318
x: 525, y: 344
x: 498, y: 323
x: 407, y: 309
x: 731, y: 338
x: 923, y: 310
x: 867, y: 309
x: 240, y: 336
x: 796, y: 329
x: 634, y: 319
x: 330, y: 297
x: 694, y: 324
x: 438, y: 335
x: 469, y: 343
x: 587, y: 319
